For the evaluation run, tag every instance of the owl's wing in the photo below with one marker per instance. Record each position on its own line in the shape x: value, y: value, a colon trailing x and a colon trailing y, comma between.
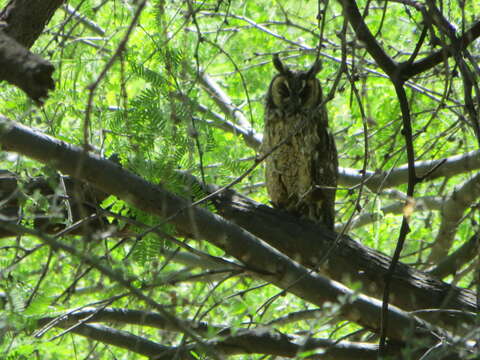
x: 326, y: 177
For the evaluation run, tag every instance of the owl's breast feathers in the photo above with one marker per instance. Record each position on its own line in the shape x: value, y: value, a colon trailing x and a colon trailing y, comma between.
x: 301, y: 175
x: 302, y: 171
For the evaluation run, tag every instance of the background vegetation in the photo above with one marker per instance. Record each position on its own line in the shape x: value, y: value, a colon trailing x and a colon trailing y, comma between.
x: 168, y: 88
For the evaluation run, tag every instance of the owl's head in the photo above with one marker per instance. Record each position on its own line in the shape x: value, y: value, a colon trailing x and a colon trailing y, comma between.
x: 294, y: 91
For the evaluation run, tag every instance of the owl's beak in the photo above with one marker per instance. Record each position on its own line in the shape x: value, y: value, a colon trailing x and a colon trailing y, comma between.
x: 294, y: 104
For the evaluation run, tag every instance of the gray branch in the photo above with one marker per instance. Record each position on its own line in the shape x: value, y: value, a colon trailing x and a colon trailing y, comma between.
x: 241, y: 341
x: 262, y: 260
x: 452, y: 213
x: 453, y: 262
x: 252, y: 139
x: 228, y: 107
x: 427, y: 170
x: 83, y: 20
x: 126, y: 316
x: 124, y: 340
x: 374, y: 180
x: 421, y: 204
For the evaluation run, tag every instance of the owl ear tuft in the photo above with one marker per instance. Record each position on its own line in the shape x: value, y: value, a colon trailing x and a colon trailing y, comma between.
x: 282, y: 69
x: 316, y: 67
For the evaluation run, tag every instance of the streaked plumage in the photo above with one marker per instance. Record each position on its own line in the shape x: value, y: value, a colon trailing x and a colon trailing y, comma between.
x: 301, y: 175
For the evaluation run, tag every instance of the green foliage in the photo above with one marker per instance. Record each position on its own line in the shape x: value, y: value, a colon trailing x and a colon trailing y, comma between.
x: 149, y: 110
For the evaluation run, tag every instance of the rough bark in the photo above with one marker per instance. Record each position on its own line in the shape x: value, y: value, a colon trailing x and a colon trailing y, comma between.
x: 9, y: 200
x: 79, y: 204
x: 346, y: 260
x: 21, y: 23
x: 241, y: 341
x: 24, y: 20
x: 261, y: 260
x: 311, y: 245
x: 21, y: 68
x: 426, y: 170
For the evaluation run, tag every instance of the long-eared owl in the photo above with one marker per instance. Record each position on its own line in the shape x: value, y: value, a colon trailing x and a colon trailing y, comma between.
x: 301, y: 174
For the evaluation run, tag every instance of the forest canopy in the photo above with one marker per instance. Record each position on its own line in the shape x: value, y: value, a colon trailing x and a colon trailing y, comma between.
x: 134, y: 216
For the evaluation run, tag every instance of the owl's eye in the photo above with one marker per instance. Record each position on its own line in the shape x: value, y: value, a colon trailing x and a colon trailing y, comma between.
x: 305, y: 91
x: 283, y: 89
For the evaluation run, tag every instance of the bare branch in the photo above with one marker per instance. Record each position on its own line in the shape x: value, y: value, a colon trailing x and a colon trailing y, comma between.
x: 421, y: 204
x: 256, y: 341
x: 261, y: 28
x: 453, y: 262
x: 252, y: 139
x: 228, y: 107
x: 446, y: 167
x: 25, y: 70
x: 123, y: 339
x: 26, y: 19
x: 83, y: 19
x: 202, y: 224
x: 309, y: 244
x: 436, y: 58
x: 127, y: 316
x: 364, y: 35
x: 22, y: 22
x: 452, y: 213
x: 238, y: 341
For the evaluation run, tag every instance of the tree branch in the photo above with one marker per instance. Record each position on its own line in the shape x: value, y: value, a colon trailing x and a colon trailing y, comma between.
x: 26, y: 19
x: 364, y: 35
x: 452, y: 213
x: 21, y: 68
x: 22, y: 22
x: 224, y: 102
x: 256, y: 341
x: 83, y: 19
x: 239, y: 341
x: 347, y: 259
x: 421, y: 204
x: 445, y: 167
x: 453, y: 262
x: 438, y: 57
x: 125, y: 340
x: 267, y: 263
x: 127, y: 316
x: 252, y: 139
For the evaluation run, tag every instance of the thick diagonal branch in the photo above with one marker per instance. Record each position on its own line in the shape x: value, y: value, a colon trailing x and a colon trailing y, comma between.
x: 264, y: 261
x: 452, y: 213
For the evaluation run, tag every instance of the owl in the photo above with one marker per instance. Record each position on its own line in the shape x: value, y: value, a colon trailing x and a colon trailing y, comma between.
x: 301, y: 173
